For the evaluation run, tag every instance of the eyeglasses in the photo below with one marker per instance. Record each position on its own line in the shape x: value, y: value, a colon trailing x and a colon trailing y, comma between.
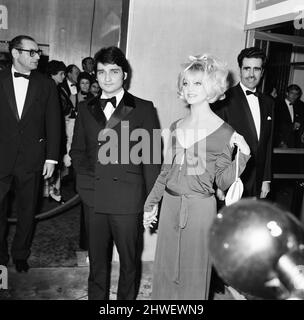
x: 32, y: 52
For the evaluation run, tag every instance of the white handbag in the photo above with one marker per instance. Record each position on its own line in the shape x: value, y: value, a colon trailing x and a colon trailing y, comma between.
x: 235, y: 191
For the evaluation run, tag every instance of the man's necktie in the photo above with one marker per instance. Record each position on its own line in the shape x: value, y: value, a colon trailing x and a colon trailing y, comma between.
x: 248, y: 92
x: 18, y: 75
x: 103, y: 102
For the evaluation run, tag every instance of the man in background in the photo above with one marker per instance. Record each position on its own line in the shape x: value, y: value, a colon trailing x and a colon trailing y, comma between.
x: 88, y: 66
x: 250, y: 113
x: 289, y: 118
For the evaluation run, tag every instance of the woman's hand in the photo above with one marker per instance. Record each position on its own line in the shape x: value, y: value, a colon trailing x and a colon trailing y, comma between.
x: 238, y: 140
x: 150, y: 217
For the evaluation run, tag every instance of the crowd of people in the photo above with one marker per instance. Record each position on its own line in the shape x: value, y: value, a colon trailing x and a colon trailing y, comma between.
x: 73, y: 119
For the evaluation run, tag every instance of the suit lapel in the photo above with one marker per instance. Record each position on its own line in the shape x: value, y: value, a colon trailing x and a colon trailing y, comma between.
x: 286, y: 111
x: 125, y: 106
x: 263, y: 113
x: 30, y: 95
x: 96, y: 111
x: 247, y: 112
x: 8, y: 87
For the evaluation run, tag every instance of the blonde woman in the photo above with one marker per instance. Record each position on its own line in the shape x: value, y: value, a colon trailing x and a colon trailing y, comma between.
x: 199, y: 154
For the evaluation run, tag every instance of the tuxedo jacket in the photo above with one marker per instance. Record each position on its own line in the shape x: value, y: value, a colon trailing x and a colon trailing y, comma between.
x: 65, y: 101
x: 236, y: 111
x: 119, y: 186
x: 284, y: 125
x: 35, y: 136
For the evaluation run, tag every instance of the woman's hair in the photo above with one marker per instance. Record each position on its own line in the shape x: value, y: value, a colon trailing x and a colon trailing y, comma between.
x: 84, y: 75
x: 54, y: 66
x: 215, y: 76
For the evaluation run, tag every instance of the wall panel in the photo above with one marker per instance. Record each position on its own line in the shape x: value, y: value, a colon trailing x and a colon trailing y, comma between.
x: 65, y: 25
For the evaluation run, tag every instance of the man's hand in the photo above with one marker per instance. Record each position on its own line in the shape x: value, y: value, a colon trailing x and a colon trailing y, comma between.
x: 296, y: 126
x: 48, y: 170
x: 265, y: 189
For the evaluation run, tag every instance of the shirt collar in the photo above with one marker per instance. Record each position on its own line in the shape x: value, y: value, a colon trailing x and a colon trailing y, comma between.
x: 71, y: 84
x: 288, y: 102
x: 15, y: 70
x: 245, y: 89
x: 118, y: 96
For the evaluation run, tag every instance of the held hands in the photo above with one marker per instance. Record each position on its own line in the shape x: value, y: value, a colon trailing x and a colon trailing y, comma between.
x: 48, y: 170
x: 150, y: 217
x: 67, y: 160
x: 265, y: 189
x: 238, y: 140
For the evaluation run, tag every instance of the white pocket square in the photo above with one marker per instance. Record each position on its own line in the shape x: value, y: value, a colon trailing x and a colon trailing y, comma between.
x: 269, y: 118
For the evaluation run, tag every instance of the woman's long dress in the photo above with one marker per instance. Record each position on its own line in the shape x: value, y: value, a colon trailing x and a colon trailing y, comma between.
x: 182, y: 266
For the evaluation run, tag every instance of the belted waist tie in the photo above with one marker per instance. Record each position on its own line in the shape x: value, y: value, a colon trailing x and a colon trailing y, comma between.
x: 183, y: 217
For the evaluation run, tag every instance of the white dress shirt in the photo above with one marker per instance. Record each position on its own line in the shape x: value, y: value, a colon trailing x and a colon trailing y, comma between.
x: 290, y: 109
x: 254, y: 106
x: 72, y: 87
x: 109, y: 109
x: 20, y: 88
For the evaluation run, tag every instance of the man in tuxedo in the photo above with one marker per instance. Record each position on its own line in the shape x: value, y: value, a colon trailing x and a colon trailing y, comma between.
x: 250, y: 113
x: 112, y: 182
x: 289, y: 118
x: 29, y: 142
x: 68, y: 90
x: 68, y: 93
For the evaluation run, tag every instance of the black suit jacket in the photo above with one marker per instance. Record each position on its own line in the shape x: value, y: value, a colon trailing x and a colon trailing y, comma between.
x: 235, y: 110
x: 117, y: 187
x: 284, y: 126
x: 36, y: 136
x: 65, y: 101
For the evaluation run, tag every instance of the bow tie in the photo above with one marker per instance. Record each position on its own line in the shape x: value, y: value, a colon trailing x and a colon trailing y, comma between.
x: 18, y: 75
x: 103, y: 102
x: 248, y: 92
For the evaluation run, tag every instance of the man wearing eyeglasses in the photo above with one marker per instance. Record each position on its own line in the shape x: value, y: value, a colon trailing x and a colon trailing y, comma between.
x: 29, y: 142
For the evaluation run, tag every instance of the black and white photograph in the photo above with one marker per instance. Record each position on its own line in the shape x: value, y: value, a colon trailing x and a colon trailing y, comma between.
x: 151, y: 151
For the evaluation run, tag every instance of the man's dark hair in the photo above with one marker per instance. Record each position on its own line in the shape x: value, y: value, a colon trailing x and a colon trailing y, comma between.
x: 54, y: 66
x: 84, y: 60
x: 112, y: 55
x: 294, y: 87
x: 69, y: 68
x: 17, y: 42
x: 252, y: 52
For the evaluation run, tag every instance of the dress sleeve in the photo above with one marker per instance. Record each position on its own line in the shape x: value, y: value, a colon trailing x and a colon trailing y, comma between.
x: 225, y: 167
x: 158, y: 189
